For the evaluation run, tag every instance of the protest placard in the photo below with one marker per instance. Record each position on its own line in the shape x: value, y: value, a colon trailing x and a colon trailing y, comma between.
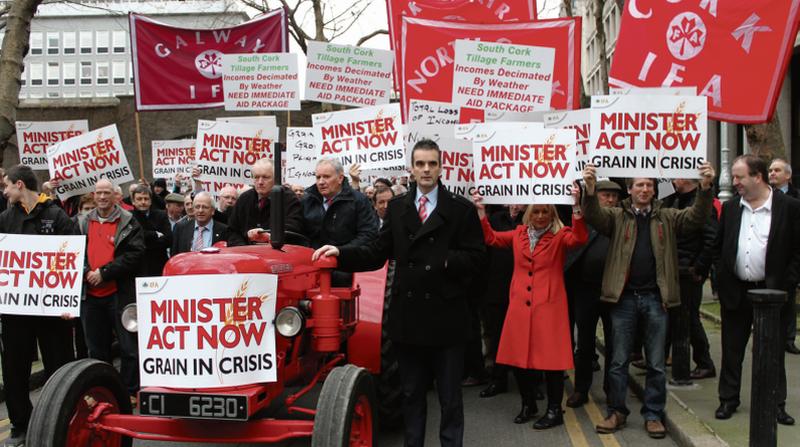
x: 260, y: 81
x: 350, y: 75
x: 371, y: 136
x: 41, y: 275
x: 579, y: 121
x: 482, y: 130
x: 171, y: 157
x: 207, y: 330
x: 497, y: 116
x: 533, y: 165
x: 659, y: 136
x: 457, y: 171
x: 225, y: 152
x: 676, y: 91
x: 265, y: 121
x: 301, y: 156
x: 431, y: 113
x: 34, y: 137
x: 504, y: 77
x: 79, y: 162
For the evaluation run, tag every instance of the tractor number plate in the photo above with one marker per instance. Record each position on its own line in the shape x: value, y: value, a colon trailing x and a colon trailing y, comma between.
x: 196, y: 406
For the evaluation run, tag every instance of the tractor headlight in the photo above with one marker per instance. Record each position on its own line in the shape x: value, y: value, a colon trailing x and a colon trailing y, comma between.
x: 289, y: 322
x: 129, y: 319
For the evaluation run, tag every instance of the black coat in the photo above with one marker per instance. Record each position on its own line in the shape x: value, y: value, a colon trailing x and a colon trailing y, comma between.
x: 156, y: 246
x: 247, y: 215
x: 695, y: 248
x: 500, y: 265
x: 783, y: 248
x: 46, y: 218
x: 349, y: 221
x: 435, y: 263
x: 183, y: 235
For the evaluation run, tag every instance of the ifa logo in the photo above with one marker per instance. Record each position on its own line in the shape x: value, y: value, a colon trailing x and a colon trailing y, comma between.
x: 209, y: 64
x: 686, y: 36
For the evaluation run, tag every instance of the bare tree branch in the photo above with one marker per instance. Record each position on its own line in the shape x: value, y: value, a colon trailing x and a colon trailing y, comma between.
x: 599, y: 6
x: 371, y: 35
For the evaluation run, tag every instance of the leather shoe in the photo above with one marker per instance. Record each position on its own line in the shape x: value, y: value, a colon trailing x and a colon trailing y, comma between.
x: 702, y: 373
x: 791, y: 348
x: 725, y: 410
x: 784, y: 418
x: 526, y: 414
x: 552, y: 418
x: 655, y: 429
x: 577, y: 399
x: 494, y: 389
x: 612, y: 423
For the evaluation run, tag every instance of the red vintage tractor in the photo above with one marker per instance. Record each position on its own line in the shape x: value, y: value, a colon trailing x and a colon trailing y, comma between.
x: 324, y: 334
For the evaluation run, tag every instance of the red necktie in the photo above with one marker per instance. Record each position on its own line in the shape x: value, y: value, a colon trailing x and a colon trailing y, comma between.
x: 329, y: 201
x: 198, y: 241
x: 423, y: 210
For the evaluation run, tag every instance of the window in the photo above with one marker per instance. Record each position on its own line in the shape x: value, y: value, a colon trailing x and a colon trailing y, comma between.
x: 130, y: 72
x: 36, y: 43
x: 69, y: 94
x: 102, y: 73
x: 119, y: 38
x: 119, y: 72
x: 86, y: 94
x: 34, y: 95
x: 69, y: 73
x: 69, y: 42
x: 53, y: 43
x: 86, y: 73
x: 37, y: 73
x: 53, y: 75
x: 52, y: 94
x: 102, y: 42
x: 86, y: 42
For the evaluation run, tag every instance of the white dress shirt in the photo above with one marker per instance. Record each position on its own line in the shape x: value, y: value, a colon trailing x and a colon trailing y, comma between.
x: 751, y: 254
x: 431, y: 204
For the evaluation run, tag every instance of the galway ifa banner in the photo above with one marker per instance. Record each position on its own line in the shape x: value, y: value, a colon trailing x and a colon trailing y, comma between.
x: 428, y: 54
x: 181, y: 68
x: 735, y: 52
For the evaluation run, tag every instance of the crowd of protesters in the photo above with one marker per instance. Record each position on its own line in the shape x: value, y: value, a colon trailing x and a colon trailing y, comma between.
x: 477, y: 291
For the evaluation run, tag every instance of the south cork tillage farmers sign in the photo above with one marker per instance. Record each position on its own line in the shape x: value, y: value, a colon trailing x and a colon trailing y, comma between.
x: 260, y: 81
x: 345, y: 74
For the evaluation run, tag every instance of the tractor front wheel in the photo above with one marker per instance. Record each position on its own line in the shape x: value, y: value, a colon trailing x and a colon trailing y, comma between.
x: 70, y: 396
x: 346, y: 410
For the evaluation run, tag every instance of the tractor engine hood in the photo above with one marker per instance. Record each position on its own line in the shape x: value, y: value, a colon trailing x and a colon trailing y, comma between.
x: 247, y: 259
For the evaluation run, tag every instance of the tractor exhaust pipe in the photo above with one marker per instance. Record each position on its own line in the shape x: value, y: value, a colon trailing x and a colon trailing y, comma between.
x: 276, y: 217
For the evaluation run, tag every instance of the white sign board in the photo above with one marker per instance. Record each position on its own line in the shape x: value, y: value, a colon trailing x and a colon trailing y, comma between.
x: 41, y: 275
x: 656, y: 136
x: 673, y: 91
x: 78, y: 163
x: 207, y: 331
x: 457, y: 172
x: 264, y: 81
x: 482, y: 130
x: 350, y: 75
x: 265, y: 121
x: 171, y: 157
x: 577, y: 120
x: 503, y: 77
x: 301, y: 156
x: 372, y: 136
x: 34, y: 137
x: 432, y: 113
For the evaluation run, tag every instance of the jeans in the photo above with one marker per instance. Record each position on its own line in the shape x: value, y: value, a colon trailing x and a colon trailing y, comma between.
x: 101, y: 318
x: 645, y: 309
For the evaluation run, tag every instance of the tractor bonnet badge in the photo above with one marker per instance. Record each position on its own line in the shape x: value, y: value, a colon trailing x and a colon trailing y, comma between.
x: 686, y: 36
x: 209, y: 64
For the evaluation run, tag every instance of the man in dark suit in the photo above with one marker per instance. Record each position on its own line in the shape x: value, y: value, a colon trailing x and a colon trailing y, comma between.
x: 156, y: 229
x: 758, y: 244
x: 200, y: 232
x: 436, y: 240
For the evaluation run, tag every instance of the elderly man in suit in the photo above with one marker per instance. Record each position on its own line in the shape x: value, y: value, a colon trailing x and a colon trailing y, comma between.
x: 202, y: 231
x: 759, y: 247
x: 436, y: 240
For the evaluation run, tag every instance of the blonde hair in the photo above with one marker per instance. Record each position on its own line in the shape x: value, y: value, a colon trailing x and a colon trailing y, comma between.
x: 555, y: 223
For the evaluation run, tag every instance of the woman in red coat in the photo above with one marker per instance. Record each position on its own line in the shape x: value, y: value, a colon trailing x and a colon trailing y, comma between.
x: 536, y: 329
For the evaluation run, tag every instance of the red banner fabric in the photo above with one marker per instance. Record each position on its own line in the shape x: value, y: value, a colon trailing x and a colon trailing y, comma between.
x: 467, y: 11
x: 735, y: 52
x: 180, y: 68
x: 428, y: 53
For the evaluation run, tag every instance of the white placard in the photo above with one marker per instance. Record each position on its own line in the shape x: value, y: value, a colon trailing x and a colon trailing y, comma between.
x: 658, y: 136
x: 301, y: 156
x: 78, y: 163
x: 41, y: 275
x: 526, y: 166
x: 265, y: 121
x: 672, y: 91
x: 350, y: 75
x: 263, y: 81
x: 482, y: 130
x: 578, y: 121
x: 493, y: 116
x: 206, y: 331
x: 371, y: 136
x: 226, y: 151
x: 503, y: 77
x: 171, y: 157
x: 457, y: 168
x: 34, y: 137
x: 432, y: 113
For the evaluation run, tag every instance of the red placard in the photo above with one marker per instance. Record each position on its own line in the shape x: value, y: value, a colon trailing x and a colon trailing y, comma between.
x: 735, y: 52
x: 180, y: 68
x: 467, y: 11
x: 428, y: 53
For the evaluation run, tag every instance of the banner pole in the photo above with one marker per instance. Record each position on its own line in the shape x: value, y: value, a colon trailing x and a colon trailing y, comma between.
x: 288, y: 118
x: 139, y: 145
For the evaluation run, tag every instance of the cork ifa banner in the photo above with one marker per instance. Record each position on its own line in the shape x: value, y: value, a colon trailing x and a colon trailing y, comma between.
x: 33, y: 138
x: 181, y: 68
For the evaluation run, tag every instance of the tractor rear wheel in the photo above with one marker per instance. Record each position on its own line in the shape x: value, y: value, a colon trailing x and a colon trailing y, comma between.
x: 346, y: 410
x: 389, y: 386
x: 60, y: 417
